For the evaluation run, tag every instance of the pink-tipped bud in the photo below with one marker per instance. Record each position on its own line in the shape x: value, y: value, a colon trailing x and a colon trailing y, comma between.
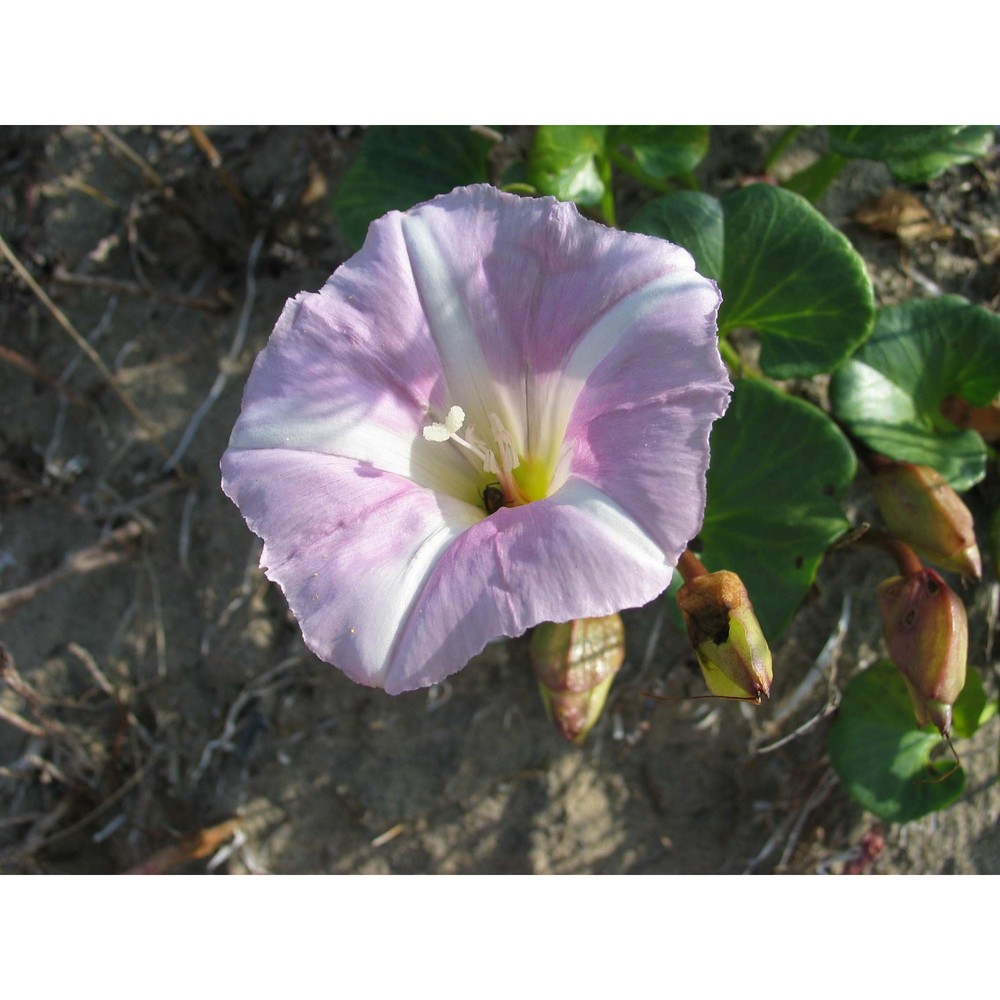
x: 575, y: 663
x: 733, y: 654
x: 921, y: 509
x: 927, y: 632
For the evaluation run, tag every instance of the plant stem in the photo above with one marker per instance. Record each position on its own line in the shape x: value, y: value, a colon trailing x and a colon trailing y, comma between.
x: 690, y: 566
x: 814, y: 180
x: 630, y: 167
x: 906, y: 559
x: 608, y: 199
x: 781, y: 144
x: 731, y: 357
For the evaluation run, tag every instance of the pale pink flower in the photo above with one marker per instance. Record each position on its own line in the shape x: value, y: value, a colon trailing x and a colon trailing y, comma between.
x: 481, y: 352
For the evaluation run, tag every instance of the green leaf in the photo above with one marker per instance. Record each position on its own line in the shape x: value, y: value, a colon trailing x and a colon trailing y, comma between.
x: 785, y: 272
x: 569, y: 161
x: 890, y: 393
x: 914, y: 153
x: 400, y: 166
x: 792, y: 277
x: 779, y: 467
x: 881, y: 756
x: 691, y: 220
x: 972, y: 709
x: 660, y: 151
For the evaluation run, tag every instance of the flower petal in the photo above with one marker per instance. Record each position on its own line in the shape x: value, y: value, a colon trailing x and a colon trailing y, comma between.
x: 320, y: 388
x: 525, y: 290
x: 574, y: 555
x: 349, y: 546
x: 593, y: 348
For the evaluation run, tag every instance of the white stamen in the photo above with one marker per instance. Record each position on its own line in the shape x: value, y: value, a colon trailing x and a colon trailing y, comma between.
x: 455, y: 419
x: 508, y: 454
x: 436, y: 432
x: 479, y: 446
x: 452, y: 424
x: 472, y: 443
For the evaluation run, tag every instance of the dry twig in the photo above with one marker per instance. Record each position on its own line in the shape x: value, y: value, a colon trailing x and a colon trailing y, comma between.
x: 202, y: 141
x: 119, y: 285
x: 228, y: 364
x: 40, y: 375
x: 825, y: 667
x: 60, y: 317
x: 46, y: 728
x: 110, y: 550
x: 124, y: 149
x: 256, y: 687
x: 191, y: 848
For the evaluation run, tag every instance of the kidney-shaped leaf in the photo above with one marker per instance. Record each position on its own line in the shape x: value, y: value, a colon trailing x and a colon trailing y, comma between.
x: 921, y: 353
x: 692, y: 220
x: 881, y: 756
x: 792, y: 277
x: 399, y: 166
x: 914, y: 153
x: 783, y: 269
x: 778, y: 468
x: 568, y: 161
x: 660, y: 151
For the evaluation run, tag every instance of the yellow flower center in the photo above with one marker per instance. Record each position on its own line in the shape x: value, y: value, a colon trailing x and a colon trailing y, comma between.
x: 533, y: 479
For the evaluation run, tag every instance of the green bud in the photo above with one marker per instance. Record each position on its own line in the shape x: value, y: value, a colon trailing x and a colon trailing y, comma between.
x: 927, y: 632
x: 575, y: 663
x: 732, y: 651
x: 921, y: 509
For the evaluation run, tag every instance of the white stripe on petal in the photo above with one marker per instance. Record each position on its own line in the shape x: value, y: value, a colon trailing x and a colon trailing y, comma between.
x: 443, y: 294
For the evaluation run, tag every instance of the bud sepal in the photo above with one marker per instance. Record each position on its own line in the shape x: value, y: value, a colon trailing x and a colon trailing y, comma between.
x: 575, y: 663
x: 920, y: 508
x: 927, y: 632
x: 732, y: 652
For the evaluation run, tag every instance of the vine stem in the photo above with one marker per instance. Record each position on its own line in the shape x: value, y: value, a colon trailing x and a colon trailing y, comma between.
x: 905, y: 558
x: 731, y: 357
x: 690, y: 566
x: 781, y: 144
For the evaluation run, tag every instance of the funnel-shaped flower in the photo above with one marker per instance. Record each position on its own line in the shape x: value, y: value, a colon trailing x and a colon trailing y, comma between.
x: 920, y: 508
x: 927, y: 632
x: 495, y: 414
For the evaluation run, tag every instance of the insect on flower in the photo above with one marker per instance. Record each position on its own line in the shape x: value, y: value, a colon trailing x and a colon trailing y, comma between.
x: 493, y: 498
x: 480, y: 351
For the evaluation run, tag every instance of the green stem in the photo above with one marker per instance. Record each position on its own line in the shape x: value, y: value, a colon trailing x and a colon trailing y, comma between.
x: 781, y: 144
x: 607, y: 205
x: 630, y: 167
x: 732, y: 359
x: 814, y: 180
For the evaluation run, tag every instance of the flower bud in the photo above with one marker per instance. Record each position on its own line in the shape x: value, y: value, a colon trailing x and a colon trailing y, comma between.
x: 921, y: 509
x: 927, y: 632
x: 732, y: 651
x: 575, y: 663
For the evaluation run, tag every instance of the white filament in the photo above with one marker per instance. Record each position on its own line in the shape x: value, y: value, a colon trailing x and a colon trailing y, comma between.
x: 472, y: 443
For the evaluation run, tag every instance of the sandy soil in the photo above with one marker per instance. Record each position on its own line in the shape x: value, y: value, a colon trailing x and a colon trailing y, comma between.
x: 160, y: 710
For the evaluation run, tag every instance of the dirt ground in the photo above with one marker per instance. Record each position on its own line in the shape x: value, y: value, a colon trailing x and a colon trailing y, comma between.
x: 160, y: 710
